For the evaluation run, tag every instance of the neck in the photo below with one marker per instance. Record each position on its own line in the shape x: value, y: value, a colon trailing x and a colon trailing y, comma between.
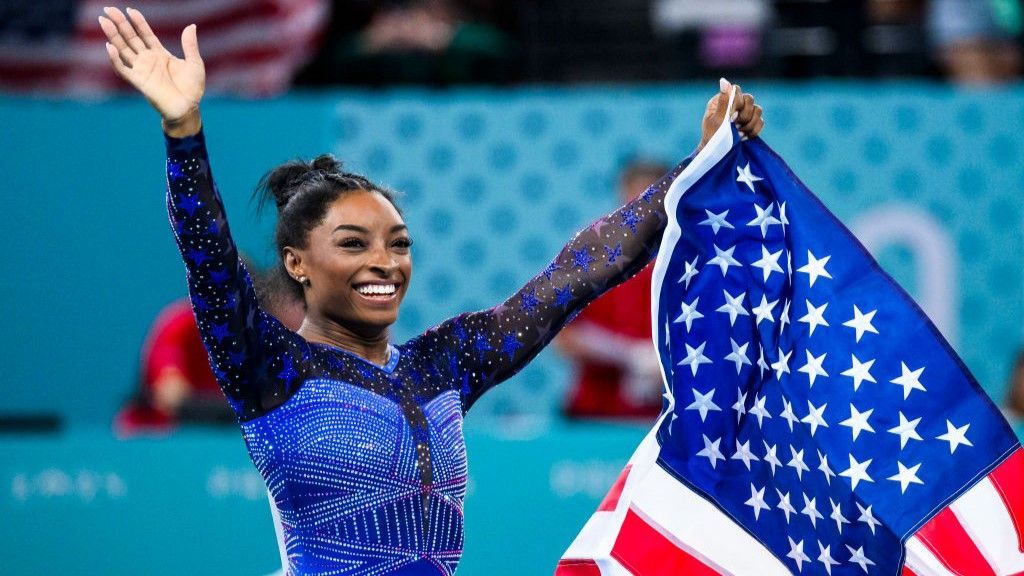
x: 372, y: 345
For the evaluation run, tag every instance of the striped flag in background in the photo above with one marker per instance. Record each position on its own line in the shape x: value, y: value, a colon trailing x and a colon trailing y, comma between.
x: 250, y: 47
x: 816, y: 422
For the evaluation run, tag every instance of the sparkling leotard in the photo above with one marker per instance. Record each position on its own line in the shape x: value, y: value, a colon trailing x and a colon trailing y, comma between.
x: 365, y: 464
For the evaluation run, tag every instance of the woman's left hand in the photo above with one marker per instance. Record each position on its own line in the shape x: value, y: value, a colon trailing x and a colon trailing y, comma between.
x: 745, y: 113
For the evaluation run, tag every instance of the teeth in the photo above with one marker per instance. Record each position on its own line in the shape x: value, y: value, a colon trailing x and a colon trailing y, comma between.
x: 376, y: 289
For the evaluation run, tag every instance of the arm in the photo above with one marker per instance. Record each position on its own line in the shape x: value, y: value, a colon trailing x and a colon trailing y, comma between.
x: 254, y: 358
x: 487, y: 347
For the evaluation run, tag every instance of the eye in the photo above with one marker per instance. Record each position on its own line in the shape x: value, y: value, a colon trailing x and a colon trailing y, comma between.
x: 352, y: 243
x: 402, y: 243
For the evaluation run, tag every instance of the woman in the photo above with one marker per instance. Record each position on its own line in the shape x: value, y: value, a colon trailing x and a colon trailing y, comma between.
x: 360, y: 442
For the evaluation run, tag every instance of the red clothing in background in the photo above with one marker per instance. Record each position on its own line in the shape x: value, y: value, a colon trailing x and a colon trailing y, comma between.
x: 598, y: 388
x: 173, y: 342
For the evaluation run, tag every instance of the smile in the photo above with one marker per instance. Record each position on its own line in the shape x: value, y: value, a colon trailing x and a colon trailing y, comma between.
x: 380, y: 292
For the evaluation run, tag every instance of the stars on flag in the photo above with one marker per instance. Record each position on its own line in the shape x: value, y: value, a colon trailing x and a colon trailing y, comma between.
x: 759, y: 410
x: 906, y: 476
x: 733, y: 306
x: 781, y: 366
x: 797, y: 462
x: 738, y: 354
x: 716, y: 221
x: 909, y: 379
x: 689, y: 314
x: 867, y: 517
x: 815, y: 417
x: 724, y: 259
x: 857, y: 557
x: 747, y: 177
x: 858, y: 421
x: 695, y: 357
x: 744, y: 454
x: 811, y: 510
x: 859, y: 371
x: 813, y: 368
x: 857, y: 472
x: 784, y: 505
x: 796, y: 553
x: 763, y: 311
x: 815, y: 316
x: 689, y: 272
x: 769, y: 262
x: 826, y: 558
x: 764, y: 219
x: 711, y: 451
x: 837, y: 516
x: 955, y: 436
x: 703, y: 403
x: 815, y: 268
x: 861, y: 322
x: 907, y: 430
x: 756, y: 501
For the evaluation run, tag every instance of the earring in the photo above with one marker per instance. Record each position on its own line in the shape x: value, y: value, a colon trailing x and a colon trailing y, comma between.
x: 303, y: 280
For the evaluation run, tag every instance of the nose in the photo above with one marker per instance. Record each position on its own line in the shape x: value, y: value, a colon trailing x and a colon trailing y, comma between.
x: 383, y: 262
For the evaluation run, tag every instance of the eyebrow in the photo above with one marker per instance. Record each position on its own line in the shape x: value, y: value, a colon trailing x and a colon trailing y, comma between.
x: 361, y: 230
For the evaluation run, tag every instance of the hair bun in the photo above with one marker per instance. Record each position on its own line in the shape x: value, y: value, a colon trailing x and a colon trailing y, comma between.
x: 282, y: 183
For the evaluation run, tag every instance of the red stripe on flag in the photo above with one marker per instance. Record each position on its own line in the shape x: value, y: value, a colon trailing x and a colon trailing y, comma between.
x: 645, y: 551
x: 950, y: 543
x: 611, y: 499
x: 577, y: 568
x: 1008, y: 478
x: 908, y: 571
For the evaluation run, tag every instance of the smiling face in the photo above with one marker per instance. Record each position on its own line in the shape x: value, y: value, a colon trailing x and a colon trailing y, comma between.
x: 357, y: 262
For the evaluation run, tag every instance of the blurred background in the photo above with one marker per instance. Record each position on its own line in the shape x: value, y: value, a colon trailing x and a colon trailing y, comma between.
x: 506, y: 126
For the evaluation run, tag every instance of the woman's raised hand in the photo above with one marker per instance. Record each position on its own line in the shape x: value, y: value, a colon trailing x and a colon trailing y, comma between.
x: 745, y: 113
x: 174, y: 86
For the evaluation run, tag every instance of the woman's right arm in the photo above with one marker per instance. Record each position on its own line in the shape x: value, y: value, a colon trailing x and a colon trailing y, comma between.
x: 255, y: 358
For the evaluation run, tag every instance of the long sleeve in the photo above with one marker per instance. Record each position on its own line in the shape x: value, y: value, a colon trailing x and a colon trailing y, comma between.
x: 256, y: 359
x: 481, y: 349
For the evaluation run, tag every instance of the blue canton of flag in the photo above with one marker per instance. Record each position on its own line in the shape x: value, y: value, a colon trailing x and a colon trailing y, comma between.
x: 816, y: 421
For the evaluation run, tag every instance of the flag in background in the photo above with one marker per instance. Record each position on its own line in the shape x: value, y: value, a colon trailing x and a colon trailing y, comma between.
x: 816, y: 422
x: 250, y: 47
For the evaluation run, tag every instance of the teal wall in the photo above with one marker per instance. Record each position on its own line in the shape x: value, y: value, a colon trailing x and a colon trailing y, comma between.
x: 89, y: 505
x: 494, y: 183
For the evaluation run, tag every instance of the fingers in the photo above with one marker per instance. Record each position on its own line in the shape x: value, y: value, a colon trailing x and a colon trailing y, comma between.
x: 125, y: 29
x: 745, y: 111
x: 190, y: 44
x: 124, y: 53
x: 142, y: 27
x: 115, y: 60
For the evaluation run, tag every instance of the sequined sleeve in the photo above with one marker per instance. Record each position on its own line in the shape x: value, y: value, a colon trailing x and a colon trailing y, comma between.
x: 256, y: 359
x: 478, y: 350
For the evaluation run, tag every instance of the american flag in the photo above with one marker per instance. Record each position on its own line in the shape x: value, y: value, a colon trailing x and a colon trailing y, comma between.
x: 816, y: 422
x: 250, y: 47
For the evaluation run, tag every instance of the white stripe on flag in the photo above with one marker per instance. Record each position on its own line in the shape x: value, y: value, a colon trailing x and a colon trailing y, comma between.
x: 921, y: 560
x: 984, y: 516
x: 702, y: 530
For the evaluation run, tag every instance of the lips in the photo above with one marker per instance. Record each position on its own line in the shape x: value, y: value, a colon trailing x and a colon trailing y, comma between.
x: 378, y: 292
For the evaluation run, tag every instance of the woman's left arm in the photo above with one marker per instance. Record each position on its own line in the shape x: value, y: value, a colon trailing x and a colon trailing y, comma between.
x: 487, y: 347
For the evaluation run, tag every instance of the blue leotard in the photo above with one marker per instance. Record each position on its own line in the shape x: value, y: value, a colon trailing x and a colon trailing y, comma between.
x: 365, y: 464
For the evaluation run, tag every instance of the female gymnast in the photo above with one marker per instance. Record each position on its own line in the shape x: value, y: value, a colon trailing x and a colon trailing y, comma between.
x: 360, y: 441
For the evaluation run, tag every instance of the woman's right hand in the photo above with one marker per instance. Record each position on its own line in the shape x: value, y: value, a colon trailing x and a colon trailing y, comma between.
x: 174, y: 86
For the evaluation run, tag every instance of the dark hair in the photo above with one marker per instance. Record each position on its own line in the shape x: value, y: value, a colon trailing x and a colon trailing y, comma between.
x: 302, y: 192
x: 645, y: 168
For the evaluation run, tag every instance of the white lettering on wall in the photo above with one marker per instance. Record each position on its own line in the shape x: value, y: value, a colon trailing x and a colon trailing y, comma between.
x: 935, y: 257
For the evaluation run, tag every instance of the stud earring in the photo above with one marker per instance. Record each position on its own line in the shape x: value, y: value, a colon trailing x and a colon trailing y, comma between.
x: 303, y: 280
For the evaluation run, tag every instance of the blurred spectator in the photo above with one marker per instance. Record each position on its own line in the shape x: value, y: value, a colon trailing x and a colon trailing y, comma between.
x: 431, y: 42
x: 176, y: 382
x: 1013, y: 409
x: 617, y: 374
x: 721, y: 37
x: 975, y: 40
